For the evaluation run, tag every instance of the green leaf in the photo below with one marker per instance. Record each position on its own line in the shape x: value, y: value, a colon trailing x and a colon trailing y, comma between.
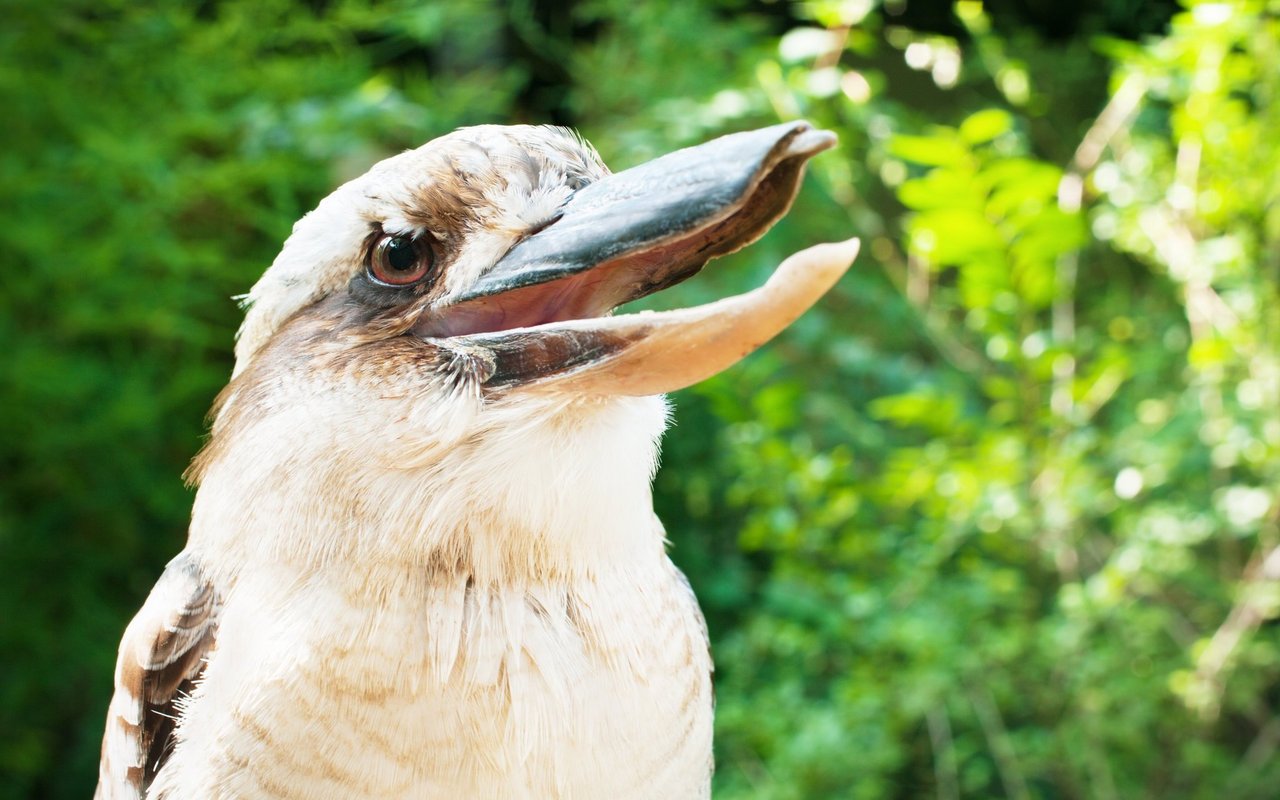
x: 953, y: 235
x: 1019, y: 184
x: 982, y: 280
x: 940, y: 149
x: 925, y: 409
x: 985, y: 125
x: 942, y: 188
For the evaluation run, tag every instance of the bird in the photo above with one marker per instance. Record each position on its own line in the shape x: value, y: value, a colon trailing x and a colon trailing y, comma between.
x: 423, y: 559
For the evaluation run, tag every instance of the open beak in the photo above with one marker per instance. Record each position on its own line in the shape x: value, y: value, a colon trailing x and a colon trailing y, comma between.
x: 632, y: 234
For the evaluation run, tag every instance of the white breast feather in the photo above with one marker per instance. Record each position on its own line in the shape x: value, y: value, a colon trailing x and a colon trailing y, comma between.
x: 564, y: 656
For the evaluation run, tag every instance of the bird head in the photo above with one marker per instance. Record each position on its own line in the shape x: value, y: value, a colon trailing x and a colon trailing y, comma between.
x: 461, y: 291
x: 496, y: 255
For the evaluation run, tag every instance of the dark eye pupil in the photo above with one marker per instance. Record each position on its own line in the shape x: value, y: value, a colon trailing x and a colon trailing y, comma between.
x: 401, y: 255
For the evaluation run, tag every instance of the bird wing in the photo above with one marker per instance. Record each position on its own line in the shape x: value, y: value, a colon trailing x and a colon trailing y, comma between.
x: 161, y: 656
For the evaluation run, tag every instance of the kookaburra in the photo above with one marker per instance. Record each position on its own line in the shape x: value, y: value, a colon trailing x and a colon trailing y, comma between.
x: 423, y: 560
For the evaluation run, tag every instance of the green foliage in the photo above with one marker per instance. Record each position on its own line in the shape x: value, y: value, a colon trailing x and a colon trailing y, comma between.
x: 1034, y: 559
x: 999, y: 518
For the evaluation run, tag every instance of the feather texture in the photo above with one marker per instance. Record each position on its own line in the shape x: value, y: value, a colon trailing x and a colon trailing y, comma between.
x: 161, y: 656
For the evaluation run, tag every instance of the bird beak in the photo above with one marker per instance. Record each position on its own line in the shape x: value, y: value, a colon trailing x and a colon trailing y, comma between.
x: 627, y: 236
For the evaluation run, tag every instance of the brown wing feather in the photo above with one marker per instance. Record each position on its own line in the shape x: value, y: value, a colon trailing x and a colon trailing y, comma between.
x: 161, y: 655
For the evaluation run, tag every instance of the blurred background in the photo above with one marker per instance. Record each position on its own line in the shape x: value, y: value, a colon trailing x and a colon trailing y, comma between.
x: 998, y: 519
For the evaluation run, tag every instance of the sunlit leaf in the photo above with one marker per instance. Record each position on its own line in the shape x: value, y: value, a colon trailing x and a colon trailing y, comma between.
x: 942, y: 188
x: 939, y: 149
x: 953, y: 235
x: 985, y: 125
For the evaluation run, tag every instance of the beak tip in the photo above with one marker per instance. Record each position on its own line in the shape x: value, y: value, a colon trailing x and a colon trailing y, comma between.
x: 848, y: 249
x: 818, y: 266
x: 808, y: 142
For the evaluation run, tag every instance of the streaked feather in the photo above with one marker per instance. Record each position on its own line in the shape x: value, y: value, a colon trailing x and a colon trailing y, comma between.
x: 161, y: 656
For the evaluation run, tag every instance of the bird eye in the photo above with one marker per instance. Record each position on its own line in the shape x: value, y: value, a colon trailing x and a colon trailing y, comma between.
x: 400, y: 260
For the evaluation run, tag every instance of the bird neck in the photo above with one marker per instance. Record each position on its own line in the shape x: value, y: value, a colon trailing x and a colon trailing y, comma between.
x: 538, y: 490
